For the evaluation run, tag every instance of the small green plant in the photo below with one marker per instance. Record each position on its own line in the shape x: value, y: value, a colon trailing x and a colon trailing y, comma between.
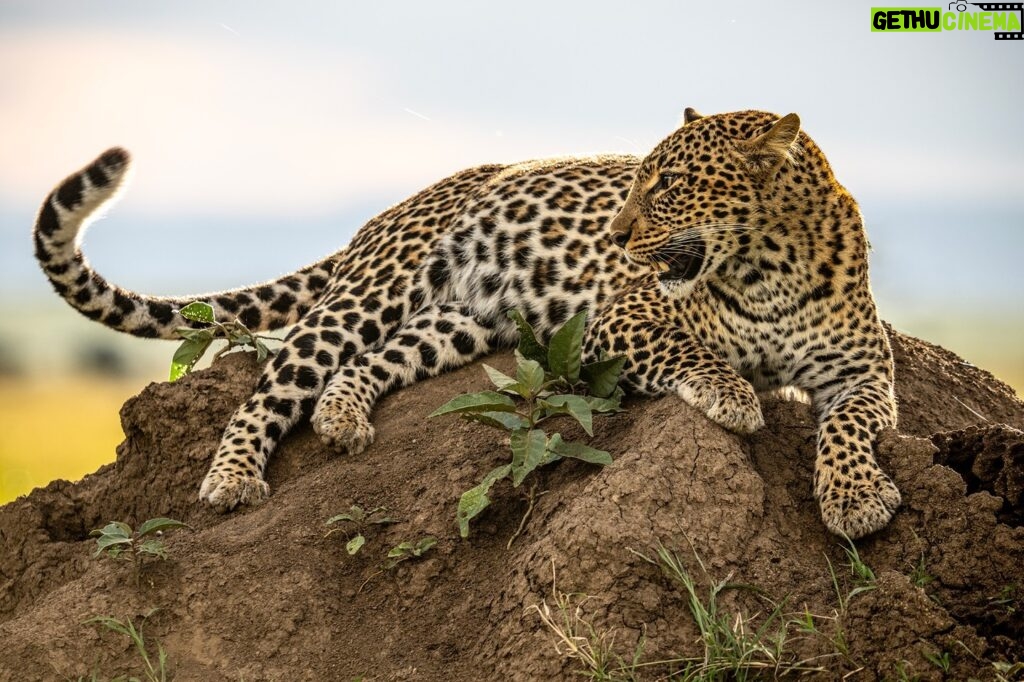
x: 863, y: 576
x: 354, y: 523
x: 153, y: 671
x: 198, y: 340
x: 403, y: 551
x: 805, y: 621
x: 577, y: 638
x: 939, y: 659
x: 407, y: 550
x: 920, y: 576
x: 839, y: 641
x: 118, y: 540
x: 1007, y: 599
x: 734, y: 647
x: 550, y: 381
x: 902, y: 675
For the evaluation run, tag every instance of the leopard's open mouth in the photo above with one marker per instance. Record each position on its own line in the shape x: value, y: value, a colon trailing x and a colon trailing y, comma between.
x: 681, y: 265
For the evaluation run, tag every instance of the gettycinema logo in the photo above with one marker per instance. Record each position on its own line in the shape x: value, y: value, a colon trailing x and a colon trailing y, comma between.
x: 999, y: 17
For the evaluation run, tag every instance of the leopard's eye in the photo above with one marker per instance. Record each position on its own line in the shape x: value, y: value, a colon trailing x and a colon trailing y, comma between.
x: 666, y: 180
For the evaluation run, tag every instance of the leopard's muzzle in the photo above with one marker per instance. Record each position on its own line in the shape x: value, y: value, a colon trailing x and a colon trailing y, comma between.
x: 682, y: 264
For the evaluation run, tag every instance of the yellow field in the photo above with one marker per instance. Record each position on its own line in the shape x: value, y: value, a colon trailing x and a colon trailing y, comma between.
x: 990, y: 342
x: 57, y: 430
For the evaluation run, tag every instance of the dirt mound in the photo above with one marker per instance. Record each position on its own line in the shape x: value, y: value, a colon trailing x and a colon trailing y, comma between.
x: 262, y: 594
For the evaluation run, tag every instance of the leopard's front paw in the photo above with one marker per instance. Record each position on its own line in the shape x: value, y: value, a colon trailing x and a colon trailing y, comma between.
x: 856, y: 508
x: 734, y: 407
x: 341, y: 427
x: 224, y: 490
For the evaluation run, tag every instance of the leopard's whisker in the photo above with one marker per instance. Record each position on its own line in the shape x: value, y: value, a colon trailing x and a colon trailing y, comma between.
x: 685, y: 253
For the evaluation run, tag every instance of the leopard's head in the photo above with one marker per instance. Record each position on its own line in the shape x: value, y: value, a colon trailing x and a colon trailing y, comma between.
x: 701, y: 193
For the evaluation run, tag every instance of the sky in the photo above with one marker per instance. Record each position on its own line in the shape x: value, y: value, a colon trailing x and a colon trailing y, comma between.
x: 264, y: 133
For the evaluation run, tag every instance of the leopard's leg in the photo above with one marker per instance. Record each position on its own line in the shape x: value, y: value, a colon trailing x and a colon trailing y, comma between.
x: 855, y: 495
x: 437, y: 338
x: 663, y: 359
x: 335, y: 330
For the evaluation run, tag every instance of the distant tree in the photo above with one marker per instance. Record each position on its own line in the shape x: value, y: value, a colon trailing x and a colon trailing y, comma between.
x: 11, y: 364
x: 101, y: 359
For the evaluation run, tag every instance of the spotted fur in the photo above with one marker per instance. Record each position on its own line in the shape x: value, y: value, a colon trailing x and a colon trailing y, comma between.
x: 728, y: 261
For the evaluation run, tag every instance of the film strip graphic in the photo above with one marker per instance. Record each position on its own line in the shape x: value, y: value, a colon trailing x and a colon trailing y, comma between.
x: 1004, y: 7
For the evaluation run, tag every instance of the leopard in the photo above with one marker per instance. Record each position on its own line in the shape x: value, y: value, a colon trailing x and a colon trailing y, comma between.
x: 727, y: 263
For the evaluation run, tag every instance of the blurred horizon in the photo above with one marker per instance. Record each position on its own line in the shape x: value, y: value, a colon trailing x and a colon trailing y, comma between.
x: 265, y: 134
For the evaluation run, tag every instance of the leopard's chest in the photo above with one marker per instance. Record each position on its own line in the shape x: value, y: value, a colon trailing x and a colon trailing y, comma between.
x: 765, y: 346
x: 762, y: 354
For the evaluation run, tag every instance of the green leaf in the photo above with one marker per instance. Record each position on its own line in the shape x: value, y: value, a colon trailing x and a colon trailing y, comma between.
x: 573, y: 405
x: 475, y: 500
x: 197, y: 311
x: 116, y: 551
x: 485, y: 401
x: 605, y: 405
x: 529, y: 347
x: 408, y: 549
x: 505, y: 383
x: 196, y: 334
x: 106, y: 541
x: 187, y: 356
x: 518, y: 389
x: 240, y: 339
x: 372, y: 518
x: 549, y: 450
x: 112, y: 624
x: 401, y: 549
x: 506, y: 421
x: 527, y: 452
x: 530, y: 374
x: 424, y: 545
x: 177, y: 371
x: 161, y: 524
x: 497, y: 377
x: 602, y: 377
x: 339, y: 517
x: 261, y: 350
x: 355, y: 513
x: 115, y: 529
x: 565, y: 350
x: 355, y: 544
x: 152, y: 547
x: 580, y: 451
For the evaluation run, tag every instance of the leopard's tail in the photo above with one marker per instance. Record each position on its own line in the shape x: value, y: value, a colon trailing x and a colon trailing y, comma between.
x: 58, y: 234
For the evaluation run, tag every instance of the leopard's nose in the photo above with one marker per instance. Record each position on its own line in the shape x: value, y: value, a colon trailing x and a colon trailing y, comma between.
x: 621, y: 237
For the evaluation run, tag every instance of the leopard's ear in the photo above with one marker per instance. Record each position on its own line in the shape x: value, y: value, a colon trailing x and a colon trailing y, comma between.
x: 690, y: 115
x: 766, y: 153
